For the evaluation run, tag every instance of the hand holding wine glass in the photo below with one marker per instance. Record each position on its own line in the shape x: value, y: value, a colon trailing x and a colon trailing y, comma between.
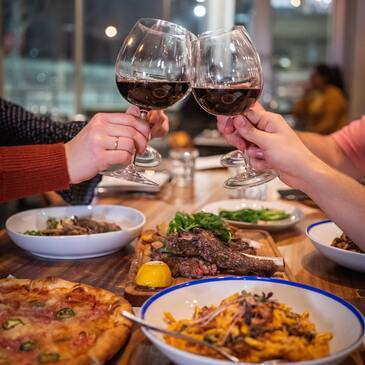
x: 228, y: 81
x: 153, y: 71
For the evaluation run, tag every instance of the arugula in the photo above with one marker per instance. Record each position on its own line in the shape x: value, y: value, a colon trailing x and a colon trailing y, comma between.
x: 184, y: 222
x: 254, y: 215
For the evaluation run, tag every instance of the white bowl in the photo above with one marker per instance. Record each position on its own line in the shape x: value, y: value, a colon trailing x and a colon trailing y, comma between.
x: 322, y: 234
x: 296, y: 214
x: 75, y: 247
x: 328, y: 312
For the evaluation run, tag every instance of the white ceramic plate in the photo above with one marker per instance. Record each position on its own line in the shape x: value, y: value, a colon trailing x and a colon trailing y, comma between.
x: 322, y: 234
x: 234, y: 204
x: 328, y: 312
x: 75, y: 247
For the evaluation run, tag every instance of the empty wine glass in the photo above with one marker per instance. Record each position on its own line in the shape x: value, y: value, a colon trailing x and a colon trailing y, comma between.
x: 228, y: 80
x: 153, y: 71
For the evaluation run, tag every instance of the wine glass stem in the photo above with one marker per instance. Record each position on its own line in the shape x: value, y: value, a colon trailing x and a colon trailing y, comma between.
x: 144, y: 114
x: 247, y: 161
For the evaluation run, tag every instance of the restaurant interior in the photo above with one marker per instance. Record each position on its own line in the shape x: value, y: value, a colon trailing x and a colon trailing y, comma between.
x: 182, y: 182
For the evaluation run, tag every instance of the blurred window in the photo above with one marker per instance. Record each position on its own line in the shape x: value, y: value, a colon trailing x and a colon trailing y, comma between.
x: 38, y: 48
x: 106, y: 24
x: 243, y: 14
x: 191, y: 14
x: 39, y: 39
x: 301, y: 39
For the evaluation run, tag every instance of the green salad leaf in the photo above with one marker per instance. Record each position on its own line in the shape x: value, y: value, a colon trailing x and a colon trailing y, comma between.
x: 184, y: 222
x: 254, y: 215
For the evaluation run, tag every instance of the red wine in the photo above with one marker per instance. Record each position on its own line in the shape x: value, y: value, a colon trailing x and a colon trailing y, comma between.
x: 226, y: 101
x: 152, y: 94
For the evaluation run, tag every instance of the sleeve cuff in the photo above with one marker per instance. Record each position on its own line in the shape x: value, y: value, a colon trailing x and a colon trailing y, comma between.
x: 28, y: 170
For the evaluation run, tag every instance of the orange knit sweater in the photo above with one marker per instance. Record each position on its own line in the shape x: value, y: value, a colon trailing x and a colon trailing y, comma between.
x: 28, y: 170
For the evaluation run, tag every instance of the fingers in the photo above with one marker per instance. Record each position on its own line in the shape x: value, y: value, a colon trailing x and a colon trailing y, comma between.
x: 134, y: 110
x: 236, y: 140
x: 114, y: 130
x: 109, y: 158
x: 226, y: 127
x: 225, y: 124
x: 248, y: 131
x: 266, y: 121
x: 123, y: 119
x: 160, y: 123
x: 259, y: 165
x: 158, y: 130
x: 255, y: 152
x: 110, y: 143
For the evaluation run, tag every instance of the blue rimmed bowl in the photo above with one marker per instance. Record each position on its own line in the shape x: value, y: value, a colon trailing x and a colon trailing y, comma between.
x: 322, y: 234
x: 327, y: 311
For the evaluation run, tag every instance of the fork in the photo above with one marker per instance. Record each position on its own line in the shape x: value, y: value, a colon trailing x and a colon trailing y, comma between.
x: 153, y: 327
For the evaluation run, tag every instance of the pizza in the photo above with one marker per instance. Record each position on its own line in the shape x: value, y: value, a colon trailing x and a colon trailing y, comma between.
x: 54, y: 321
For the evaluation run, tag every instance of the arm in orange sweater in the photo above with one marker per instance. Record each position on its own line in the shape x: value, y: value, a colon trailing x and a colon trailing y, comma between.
x: 28, y: 170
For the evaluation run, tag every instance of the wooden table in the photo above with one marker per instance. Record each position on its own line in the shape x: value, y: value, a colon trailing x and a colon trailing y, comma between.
x: 307, y: 265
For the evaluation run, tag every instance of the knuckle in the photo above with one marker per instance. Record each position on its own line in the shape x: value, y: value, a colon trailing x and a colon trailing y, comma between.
x: 99, y: 117
x: 95, y: 140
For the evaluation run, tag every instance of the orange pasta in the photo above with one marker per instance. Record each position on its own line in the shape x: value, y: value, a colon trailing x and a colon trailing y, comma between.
x: 254, y: 328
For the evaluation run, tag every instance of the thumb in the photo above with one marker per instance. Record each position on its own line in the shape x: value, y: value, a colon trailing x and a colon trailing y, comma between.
x: 248, y: 131
x: 134, y: 110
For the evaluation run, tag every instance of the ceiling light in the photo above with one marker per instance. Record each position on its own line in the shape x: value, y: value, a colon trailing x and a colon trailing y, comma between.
x: 111, y: 31
x: 200, y: 10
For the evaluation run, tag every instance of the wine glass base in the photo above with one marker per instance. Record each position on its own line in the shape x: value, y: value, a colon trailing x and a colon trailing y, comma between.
x: 151, y: 158
x: 249, y: 179
x: 130, y: 173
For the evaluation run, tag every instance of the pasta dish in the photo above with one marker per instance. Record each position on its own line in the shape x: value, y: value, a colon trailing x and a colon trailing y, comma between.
x: 253, y: 328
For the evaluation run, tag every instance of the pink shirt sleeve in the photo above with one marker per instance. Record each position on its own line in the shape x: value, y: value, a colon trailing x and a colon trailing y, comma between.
x: 351, y: 140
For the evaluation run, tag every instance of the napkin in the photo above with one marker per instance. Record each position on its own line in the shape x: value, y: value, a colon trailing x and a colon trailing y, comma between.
x: 113, y: 184
x: 209, y: 162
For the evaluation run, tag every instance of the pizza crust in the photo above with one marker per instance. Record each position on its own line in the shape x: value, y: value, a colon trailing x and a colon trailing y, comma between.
x: 110, y: 340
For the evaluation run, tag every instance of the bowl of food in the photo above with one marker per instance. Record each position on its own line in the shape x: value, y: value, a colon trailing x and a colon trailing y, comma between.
x: 256, y: 320
x: 268, y: 215
x: 329, y: 239
x: 75, y: 232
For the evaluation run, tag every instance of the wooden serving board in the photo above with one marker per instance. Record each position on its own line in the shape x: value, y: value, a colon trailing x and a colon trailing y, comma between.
x: 137, y: 296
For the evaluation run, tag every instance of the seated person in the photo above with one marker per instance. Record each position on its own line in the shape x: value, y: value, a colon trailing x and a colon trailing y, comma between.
x: 323, y: 107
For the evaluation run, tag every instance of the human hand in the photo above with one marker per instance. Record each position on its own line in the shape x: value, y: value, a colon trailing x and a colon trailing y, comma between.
x: 226, y: 126
x: 108, y: 139
x: 158, y: 120
x: 271, y: 144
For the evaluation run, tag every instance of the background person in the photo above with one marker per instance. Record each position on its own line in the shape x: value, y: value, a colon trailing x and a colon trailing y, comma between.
x: 324, y: 106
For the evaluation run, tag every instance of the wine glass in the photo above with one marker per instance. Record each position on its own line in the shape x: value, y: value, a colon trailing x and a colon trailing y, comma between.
x: 153, y: 71
x: 228, y: 80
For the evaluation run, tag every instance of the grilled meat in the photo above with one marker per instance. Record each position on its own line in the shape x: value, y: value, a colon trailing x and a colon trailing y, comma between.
x: 191, y: 267
x: 204, y: 245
